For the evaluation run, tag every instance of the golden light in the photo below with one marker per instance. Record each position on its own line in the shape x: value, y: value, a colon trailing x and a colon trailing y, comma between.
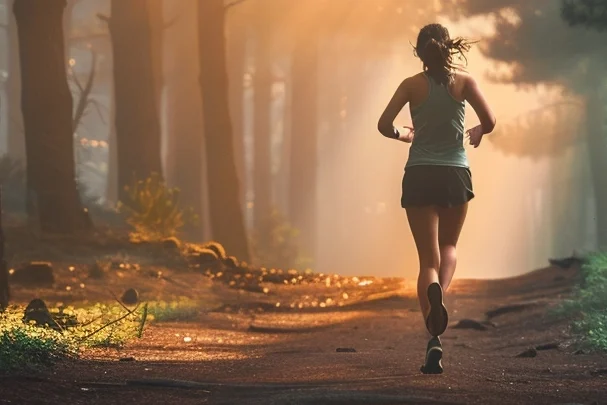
x: 72, y: 62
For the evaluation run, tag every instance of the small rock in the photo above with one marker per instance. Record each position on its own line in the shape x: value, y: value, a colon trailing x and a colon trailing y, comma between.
x: 579, y: 351
x: 38, y: 312
x: 547, y: 346
x: 130, y: 297
x: 34, y: 274
x: 470, y: 324
x: 171, y: 243
x: 231, y: 262
x: 601, y: 371
x: 217, y: 248
x: 207, y: 258
x: 528, y: 353
x: 126, y: 359
x: 345, y: 350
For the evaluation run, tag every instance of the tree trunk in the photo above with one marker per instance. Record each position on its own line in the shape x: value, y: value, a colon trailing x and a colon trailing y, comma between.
x: 236, y: 64
x: 47, y: 115
x: 597, y: 151
x: 185, y: 143
x: 137, y: 123
x: 16, y: 138
x: 303, y: 187
x: 112, y: 164
x: 67, y: 26
x: 262, y: 156
x: 227, y: 221
x: 157, y: 28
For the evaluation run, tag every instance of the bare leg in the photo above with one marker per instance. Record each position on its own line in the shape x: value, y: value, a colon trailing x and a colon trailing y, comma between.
x: 451, y: 221
x: 424, y: 227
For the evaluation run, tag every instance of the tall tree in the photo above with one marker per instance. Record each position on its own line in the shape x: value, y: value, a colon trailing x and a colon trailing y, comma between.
x: 185, y: 141
x: 16, y: 139
x: 589, y: 13
x: 262, y: 158
x: 47, y: 116
x: 157, y: 27
x: 227, y: 221
x: 577, y: 65
x: 237, y: 52
x: 303, y: 189
x: 137, y: 119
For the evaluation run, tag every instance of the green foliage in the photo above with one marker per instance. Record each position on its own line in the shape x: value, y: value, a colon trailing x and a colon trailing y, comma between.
x: 27, y: 346
x: 589, y: 302
x: 182, y: 310
x: 275, y: 244
x: 589, y: 13
x: 152, y: 209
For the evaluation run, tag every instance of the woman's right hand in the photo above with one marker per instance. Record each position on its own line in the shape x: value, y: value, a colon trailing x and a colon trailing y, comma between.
x: 475, y: 135
x: 406, y: 135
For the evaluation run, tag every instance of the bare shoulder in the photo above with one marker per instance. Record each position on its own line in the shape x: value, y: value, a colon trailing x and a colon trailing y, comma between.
x: 464, y: 78
x: 413, y: 82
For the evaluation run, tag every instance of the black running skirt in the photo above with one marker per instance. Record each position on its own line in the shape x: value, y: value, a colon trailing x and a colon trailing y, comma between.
x: 445, y: 186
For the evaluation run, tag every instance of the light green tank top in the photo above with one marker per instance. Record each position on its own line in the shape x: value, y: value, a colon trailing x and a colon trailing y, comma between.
x: 439, y: 130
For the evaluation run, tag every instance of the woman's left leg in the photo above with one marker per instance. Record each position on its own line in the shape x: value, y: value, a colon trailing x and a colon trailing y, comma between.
x: 423, y: 222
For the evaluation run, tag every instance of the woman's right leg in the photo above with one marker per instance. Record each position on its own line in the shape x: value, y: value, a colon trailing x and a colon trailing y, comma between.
x: 450, y: 223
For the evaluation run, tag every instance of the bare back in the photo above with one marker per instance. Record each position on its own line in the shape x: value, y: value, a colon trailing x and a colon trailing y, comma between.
x: 419, y: 88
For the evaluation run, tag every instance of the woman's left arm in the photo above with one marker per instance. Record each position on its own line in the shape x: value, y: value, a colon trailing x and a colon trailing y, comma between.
x: 385, y: 124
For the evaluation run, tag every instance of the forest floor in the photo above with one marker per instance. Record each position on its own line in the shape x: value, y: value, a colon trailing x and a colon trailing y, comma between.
x: 238, y: 350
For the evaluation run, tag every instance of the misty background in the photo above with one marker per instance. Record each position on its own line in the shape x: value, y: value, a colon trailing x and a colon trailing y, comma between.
x: 308, y: 82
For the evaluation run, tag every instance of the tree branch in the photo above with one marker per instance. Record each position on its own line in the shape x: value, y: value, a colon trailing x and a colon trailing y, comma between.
x: 85, y: 92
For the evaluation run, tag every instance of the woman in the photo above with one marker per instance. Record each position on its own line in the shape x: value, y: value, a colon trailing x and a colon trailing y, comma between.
x: 437, y: 184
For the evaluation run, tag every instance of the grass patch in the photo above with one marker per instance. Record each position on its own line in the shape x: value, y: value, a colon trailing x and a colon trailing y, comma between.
x: 28, y: 347
x: 588, y: 303
x: 176, y: 311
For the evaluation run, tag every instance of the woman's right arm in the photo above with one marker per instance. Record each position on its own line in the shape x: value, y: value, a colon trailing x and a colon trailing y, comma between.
x: 474, y: 96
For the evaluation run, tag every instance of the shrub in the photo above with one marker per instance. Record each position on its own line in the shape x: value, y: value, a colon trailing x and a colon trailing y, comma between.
x: 275, y: 244
x: 152, y: 209
x: 588, y: 303
x: 182, y: 310
x: 25, y: 346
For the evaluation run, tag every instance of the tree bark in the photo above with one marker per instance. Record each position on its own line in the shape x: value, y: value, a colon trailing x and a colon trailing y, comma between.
x: 157, y: 28
x: 47, y: 115
x: 304, y: 159
x: 597, y: 151
x: 236, y: 64
x: 262, y: 156
x: 16, y: 138
x: 137, y: 123
x: 227, y: 221
x: 185, y: 143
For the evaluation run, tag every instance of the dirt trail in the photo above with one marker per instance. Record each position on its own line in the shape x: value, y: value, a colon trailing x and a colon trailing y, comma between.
x: 290, y: 357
